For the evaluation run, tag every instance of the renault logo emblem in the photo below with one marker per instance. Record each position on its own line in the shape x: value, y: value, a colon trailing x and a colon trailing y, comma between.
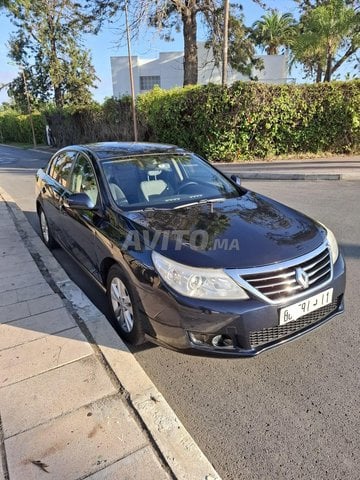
x: 302, y: 278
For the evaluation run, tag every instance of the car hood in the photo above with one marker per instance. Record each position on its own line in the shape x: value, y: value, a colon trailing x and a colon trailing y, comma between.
x: 244, y: 232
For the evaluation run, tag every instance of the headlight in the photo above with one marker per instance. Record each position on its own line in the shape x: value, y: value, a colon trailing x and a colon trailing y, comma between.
x: 208, y: 283
x: 334, y: 249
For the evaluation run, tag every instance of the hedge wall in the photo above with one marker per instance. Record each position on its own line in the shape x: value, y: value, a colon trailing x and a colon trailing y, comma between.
x: 250, y: 120
x: 17, y: 128
x: 243, y: 121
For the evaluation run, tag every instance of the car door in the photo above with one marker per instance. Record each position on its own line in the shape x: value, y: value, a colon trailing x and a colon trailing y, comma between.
x: 55, y: 187
x: 79, y: 226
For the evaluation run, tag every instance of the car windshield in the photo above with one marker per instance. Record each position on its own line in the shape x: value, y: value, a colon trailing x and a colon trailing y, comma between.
x: 164, y: 181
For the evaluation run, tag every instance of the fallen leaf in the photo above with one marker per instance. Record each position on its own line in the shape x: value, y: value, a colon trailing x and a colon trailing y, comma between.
x: 41, y: 465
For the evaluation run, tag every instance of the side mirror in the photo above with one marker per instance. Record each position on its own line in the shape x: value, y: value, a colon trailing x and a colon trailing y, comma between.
x: 79, y: 201
x: 236, y: 180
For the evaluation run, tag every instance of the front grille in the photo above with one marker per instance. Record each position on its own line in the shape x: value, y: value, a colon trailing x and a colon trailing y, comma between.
x: 281, y: 283
x: 267, y: 335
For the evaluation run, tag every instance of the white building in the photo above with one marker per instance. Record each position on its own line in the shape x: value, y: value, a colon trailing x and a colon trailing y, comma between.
x: 167, y: 71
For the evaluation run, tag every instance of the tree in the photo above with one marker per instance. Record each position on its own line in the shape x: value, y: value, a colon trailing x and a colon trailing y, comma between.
x: 241, y: 54
x: 329, y: 36
x: 273, y: 31
x: 166, y: 15
x: 48, y: 46
x: 183, y: 15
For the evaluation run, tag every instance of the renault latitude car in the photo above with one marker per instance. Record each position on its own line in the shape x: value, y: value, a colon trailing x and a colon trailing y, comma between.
x: 189, y: 258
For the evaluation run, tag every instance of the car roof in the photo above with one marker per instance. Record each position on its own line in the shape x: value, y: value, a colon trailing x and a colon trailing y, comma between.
x: 108, y: 150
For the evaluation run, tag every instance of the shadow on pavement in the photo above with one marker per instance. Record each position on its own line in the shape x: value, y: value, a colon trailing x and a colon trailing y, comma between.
x: 81, y: 279
x: 350, y: 250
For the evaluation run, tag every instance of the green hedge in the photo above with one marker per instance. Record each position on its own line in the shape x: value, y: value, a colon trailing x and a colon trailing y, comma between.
x: 17, y: 128
x: 246, y: 120
x: 249, y: 120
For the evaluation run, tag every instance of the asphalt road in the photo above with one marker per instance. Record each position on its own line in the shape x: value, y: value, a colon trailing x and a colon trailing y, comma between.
x: 291, y: 413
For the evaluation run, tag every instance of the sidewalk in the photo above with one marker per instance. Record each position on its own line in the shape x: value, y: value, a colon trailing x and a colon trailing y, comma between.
x: 74, y: 403
x: 332, y: 168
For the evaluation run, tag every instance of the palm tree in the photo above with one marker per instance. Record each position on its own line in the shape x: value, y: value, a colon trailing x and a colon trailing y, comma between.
x: 274, y: 30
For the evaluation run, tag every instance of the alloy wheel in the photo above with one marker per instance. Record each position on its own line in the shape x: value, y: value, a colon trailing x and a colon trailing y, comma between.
x: 122, y: 305
x: 44, y: 227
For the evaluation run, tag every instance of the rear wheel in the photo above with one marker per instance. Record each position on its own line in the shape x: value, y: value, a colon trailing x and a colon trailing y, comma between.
x: 46, y: 234
x: 123, y: 302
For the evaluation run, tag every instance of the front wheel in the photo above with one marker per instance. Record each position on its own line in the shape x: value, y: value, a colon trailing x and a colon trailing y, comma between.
x: 124, y: 307
x: 46, y: 234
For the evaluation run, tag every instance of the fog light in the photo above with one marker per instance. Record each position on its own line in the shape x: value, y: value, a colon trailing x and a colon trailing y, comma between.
x: 200, y: 338
x: 208, y: 340
x: 222, y: 341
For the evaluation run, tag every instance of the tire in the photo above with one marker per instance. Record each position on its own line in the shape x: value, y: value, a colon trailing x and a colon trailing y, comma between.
x: 46, y: 234
x: 123, y: 303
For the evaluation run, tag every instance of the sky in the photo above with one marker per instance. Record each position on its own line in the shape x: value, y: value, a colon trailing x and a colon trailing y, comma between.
x: 106, y: 44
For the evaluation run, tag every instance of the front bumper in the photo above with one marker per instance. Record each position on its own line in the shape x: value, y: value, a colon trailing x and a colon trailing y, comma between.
x: 250, y: 326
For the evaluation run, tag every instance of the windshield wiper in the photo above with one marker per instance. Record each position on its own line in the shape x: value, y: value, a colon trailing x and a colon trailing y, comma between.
x: 152, y: 209
x: 203, y: 201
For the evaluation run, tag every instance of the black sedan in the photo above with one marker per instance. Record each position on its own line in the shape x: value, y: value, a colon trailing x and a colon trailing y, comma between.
x: 188, y: 257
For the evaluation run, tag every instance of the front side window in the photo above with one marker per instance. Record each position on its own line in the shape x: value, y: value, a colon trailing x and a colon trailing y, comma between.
x: 61, y: 167
x: 164, y: 181
x: 83, y: 179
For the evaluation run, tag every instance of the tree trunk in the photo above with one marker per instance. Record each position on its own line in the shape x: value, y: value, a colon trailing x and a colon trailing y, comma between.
x: 58, y: 96
x: 319, y: 74
x: 327, y: 76
x: 271, y: 49
x: 190, y: 47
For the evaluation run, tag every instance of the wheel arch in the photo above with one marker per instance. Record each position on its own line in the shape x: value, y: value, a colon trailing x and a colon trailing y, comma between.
x: 38, y: 206
x: 105, y: 266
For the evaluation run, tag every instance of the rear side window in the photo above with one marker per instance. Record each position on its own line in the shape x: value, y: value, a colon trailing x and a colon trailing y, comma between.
x: 60, y: 167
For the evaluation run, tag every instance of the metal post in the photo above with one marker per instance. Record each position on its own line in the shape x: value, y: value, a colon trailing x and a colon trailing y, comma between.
x: 133, y: 104
x: 28, y: 104
x: 225, y: 43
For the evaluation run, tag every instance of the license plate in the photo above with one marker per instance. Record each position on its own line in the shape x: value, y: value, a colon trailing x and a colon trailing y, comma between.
x: 297, y: 310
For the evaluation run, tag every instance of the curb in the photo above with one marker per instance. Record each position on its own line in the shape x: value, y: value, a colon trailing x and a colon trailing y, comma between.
x: 288, y: 176
x: 45, y: 150
x: 182, y: 455
x: 355, y: 177
x: 38, y: 150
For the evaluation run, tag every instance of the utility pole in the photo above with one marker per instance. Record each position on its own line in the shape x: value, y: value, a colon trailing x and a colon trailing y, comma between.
x: 133, y: 104
x: 225, y: 43
x: 28, y: 104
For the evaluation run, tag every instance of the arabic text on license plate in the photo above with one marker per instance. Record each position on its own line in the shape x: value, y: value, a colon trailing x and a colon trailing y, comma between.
x: 297, y: 310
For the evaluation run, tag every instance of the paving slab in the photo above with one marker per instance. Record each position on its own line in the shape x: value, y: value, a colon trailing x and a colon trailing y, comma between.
x: 26, y: 293
x: 77, y: 444
x: 141, y: 465
x: 20, y: 310
x: 2, y: 475
x: 12, y: 247
x: 19, y: 279
x: 36, y: 326
x: 33, y: 358
x: 8, y: 232
x: 40, y: 399
x: 15, y: 261
x: 26, y: 267
x: 4, y: 223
